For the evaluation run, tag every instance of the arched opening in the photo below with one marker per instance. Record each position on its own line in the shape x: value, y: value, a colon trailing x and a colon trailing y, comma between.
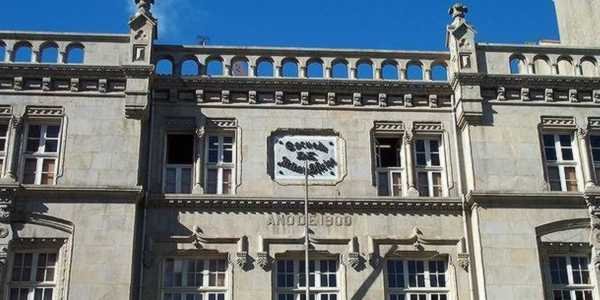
x: 2, y: 52
x: 389, y: 70
x: 541, y: 66
x: 364, y: 69
x: 289, y: 68
x: 190, y: 67
x: 75, y: 54
x: 314, y: 68
x: 414, y: 71
x: 588, y: 67
x: 239, y: 67
x: 22, y: 52
x: 565, y: 66
x: 264, y: 67
x: 164, y: 66
x: 214, y: 66
x: 339, y: 69
x: 49, y: 53
x: 439, y: 72
x: 517, y: 65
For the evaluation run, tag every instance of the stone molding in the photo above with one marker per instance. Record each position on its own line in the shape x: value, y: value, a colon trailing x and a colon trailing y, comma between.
x: 388, y: 126
x: 227, y: 123
x: 521, y: 200
x: 419, y: 127
x: 5, y: 111
x: 558, y: 122
x: 44, y: 112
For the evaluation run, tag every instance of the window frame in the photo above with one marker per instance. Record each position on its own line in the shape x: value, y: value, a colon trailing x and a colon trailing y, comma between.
x: 41, y: 156
x: 178, y: 167
x: 33, y: 284
x: 549, y: 252
x: 220, y: 165
x: 595, y: 163
x: 298, y: 289
x: 407, y: 291
x: 4, y: 153
x: 560, y: 163
x: 205, y: 291
x: 389, y: 171
x: 429, y: 168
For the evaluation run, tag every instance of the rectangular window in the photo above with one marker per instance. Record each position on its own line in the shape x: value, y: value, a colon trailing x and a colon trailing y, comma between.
x: 570, y: 277
x: 388, y: 156
x: 417, y: 280
x: 220, y: 164
x: 429, y: 167
x: 560, y: 161
x: 195, y: 279
x: 33, y: 276
x: 179, y: 164
x: 41, y: 154
x: 3, y: 146
x: 595, y: 146
x: 323, y: 279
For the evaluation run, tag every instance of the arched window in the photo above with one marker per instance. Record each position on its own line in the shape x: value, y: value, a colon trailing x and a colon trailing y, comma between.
x: 22, y: 52
x: 541, y: 66
x: 190, y: 67
x: 214, y: 66
x: 439, y: 72
x: 314, y: 68
x: 517, y: 65
x: 75, y: 54
x: 290, y: 68
x: 414, y: 71
x: 164, y: 66
x: 339, y: 69
x: 565, y: 66
x: 239, y: 67
x: 2, y: 52
x: 389, y: 70
x: 588, y: 67
x: 364, y: 69
x: 264, y: 67
x: 49, y: 53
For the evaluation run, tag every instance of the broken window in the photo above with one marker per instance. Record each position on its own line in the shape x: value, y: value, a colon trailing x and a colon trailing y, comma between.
x: 180, y: 162
x: 388, y: 155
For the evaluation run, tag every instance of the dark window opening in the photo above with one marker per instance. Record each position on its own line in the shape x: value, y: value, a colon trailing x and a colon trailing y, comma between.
x: 388, y: 152
x: 180, y: 149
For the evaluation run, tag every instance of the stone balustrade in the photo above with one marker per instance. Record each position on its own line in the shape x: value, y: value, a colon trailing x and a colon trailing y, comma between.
x: 300, y: 63
x: 543, y: 59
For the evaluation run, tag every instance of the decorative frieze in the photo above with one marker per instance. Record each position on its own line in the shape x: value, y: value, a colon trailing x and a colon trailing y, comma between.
x: 44, y: 111
x: 222, y: 123
x: 5, y: 111
x: 594, y: 123
x: 389, y: 126
x: 559, y: 122
x: 427, y: 126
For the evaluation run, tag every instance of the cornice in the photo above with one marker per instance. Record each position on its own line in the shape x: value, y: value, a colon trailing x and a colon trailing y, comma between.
x: 326, y: 85
x: 65, y: 36
x: 526, y: 200
x: 441, y: 205
x: 71, y: 70
x: 79, y: 194
x: 542, y: 81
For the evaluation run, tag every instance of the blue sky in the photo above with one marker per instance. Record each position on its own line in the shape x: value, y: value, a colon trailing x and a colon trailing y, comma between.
x: 381, y: 24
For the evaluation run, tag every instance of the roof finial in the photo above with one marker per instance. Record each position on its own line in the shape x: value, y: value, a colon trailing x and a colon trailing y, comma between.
x: 143, y: 6
x: 458, y: 10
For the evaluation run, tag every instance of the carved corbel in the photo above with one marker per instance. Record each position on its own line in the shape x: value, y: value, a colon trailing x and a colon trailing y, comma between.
x: 242, y: 259
x: 278, y: 97
x: 199, y: 96
x: 18, y: 84
x: 549, y: 95
x: 433, y: 101
x: 225, y: 96
x: 501, y: 94
x: 408, y: 100
x: 353, y: 259
x: 382, y: 100
x: 573, y: 96
x: 46, y: 84
x: 7, y: 197
x: 596, y: 96
x: 464, y: 261
x: 263, y: 260
x: 304, y: 98
x: 357, y: 99
x: 331, y: 99
x: 252, y: 97
x: 525, y: 94
x: 74, y: 85
x: 103, y: 85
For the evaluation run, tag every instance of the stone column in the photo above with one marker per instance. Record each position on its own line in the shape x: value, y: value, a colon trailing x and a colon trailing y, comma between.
x: 594, y: 211
x: 353, y: 73
x: 251, y: 71
x: 35, y: 56
x: 199, y: 163
x: 8, y: 55
x: 12, y: 157
x: 327, y: 73
x: 303, y: 73
x: 62, y: 57
x: 402, y: 75
x: 586, y: 163
x: 278, y: 71
x: 410, y: 166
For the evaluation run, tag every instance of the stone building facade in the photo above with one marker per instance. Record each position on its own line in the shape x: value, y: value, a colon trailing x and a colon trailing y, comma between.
x: 136, y: 170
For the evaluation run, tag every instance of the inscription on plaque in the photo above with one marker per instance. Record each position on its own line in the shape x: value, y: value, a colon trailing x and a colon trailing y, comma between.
x: 293, y: 151
x: 313, y: 220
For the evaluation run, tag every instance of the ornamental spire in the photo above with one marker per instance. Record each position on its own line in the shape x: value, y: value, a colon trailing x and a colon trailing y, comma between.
x: 458, y: 11
x: 144, y: 6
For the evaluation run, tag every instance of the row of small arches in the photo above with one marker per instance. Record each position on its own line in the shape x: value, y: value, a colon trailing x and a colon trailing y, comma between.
x: 563, y: 65
x: 291, y: 68
x: 48, y: 52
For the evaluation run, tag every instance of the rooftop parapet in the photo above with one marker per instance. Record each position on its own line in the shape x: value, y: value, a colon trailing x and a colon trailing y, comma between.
x: 63, y: 48
x: 302, y: 63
